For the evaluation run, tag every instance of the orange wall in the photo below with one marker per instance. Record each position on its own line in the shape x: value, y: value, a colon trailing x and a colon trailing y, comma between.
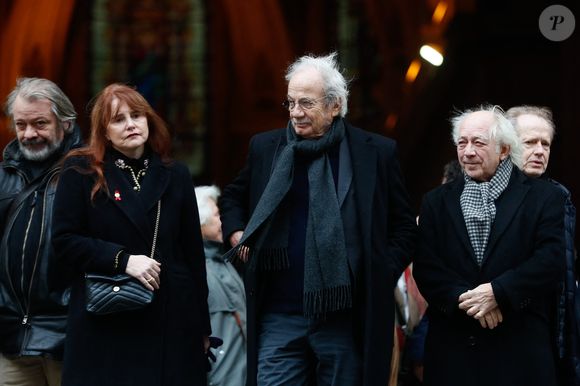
x: 33, y: 37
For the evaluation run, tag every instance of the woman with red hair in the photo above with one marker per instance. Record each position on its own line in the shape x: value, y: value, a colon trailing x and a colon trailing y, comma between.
x: 107, y: 204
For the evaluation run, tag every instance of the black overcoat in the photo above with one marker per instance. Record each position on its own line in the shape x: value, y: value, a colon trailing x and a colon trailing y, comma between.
x: 523, y: 262
x: 158, y: 345
x: 387, y: 234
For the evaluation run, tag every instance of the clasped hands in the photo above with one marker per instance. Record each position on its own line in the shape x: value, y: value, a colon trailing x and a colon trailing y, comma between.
x: 480, y: 303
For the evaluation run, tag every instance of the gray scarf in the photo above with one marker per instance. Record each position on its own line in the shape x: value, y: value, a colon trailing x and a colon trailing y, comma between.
x: 327, y: 284
x: 478, y: 206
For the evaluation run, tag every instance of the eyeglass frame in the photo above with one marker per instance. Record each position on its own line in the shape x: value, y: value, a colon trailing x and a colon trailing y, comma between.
x: 291, y: 105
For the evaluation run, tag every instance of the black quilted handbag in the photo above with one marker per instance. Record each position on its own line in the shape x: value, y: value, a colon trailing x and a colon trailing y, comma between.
x: 111, y: 294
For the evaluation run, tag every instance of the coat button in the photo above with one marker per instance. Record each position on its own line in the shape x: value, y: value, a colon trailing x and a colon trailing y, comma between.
x: 471, y: 341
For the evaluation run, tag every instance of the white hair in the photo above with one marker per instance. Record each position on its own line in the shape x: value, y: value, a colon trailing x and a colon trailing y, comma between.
x: 334, y: 84
x: 539, y: 111
x: 202, y: 195
x: 502, y: 131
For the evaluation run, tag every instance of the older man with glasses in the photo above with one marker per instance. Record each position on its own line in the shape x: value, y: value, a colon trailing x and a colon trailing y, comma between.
x: 320, y: 216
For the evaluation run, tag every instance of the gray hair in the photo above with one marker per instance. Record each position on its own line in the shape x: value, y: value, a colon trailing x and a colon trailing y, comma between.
x: 540, y: 111
x: 33, y: 89
x: 502, y: 131
x: 334, y: 84
x: 203, y: 194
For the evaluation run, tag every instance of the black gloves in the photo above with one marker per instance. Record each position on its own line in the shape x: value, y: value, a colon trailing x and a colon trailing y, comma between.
x: 214, y: 342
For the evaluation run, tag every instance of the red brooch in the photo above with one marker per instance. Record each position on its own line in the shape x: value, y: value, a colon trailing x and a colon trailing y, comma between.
x: 117, y: 195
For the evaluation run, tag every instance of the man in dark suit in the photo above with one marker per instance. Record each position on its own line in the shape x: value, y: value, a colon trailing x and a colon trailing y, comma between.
x: 489, y: 262
x: 535, y: 127
x: 320, y: 213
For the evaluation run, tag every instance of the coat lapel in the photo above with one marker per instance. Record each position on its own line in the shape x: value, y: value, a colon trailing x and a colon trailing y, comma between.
x: 344, y: 172
x: 154, y: 183
x: 506, y: 207
x: 452, y: 199
x: 364, y: 167
x: 133, y: 205
x: 275, y: 147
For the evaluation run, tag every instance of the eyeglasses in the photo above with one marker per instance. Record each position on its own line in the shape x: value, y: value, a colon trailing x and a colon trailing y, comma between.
x: 304, y: 103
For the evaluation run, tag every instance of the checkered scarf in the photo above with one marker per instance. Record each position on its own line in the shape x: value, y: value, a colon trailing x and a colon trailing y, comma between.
x: 477, y: 203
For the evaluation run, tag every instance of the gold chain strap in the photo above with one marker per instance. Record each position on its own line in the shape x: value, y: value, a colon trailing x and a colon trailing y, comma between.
x: 156, y: 229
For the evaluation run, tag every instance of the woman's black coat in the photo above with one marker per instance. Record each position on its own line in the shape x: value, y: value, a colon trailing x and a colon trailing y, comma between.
x: 158, y: 345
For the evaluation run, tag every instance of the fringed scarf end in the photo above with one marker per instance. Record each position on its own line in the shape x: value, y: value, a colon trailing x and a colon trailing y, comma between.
x: 270, y: 259
x: 318, y: 303
x: 273, y: 259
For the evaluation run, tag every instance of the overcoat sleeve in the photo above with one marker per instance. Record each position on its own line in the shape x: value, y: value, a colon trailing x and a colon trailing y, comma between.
x: 235, y: 199
x: 439, y: 282
x: 402, y: 230
x: 71, y: 238
x: 192, y: 245
x: 544, y: 269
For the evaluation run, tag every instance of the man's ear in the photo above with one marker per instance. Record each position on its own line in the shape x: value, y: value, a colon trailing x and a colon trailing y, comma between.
x: 504, y: 152
x: 336, y: 109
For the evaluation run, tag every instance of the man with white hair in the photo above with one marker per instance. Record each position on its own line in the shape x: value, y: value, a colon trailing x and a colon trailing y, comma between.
x: 489, y: 263
x: 321, y: 215
x: 33, y: 284
x: 536, y: 128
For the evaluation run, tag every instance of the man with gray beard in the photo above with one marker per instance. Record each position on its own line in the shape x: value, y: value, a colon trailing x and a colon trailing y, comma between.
x: 33, y: 285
